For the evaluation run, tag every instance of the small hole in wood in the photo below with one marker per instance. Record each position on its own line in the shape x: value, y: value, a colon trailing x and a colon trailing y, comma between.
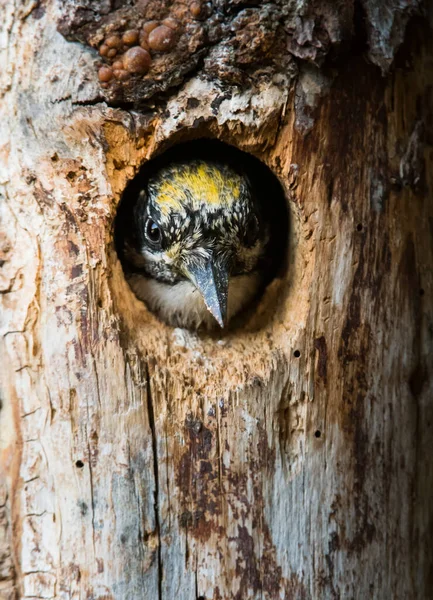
x: 79, y: 464
x: 421, y: 292
x: 359, y: 227
x: 200, y: 223
x: 317, y: 433
x: 296, y: 354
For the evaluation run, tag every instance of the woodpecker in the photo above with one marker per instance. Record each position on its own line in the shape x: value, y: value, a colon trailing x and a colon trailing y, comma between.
x: 197, y: 242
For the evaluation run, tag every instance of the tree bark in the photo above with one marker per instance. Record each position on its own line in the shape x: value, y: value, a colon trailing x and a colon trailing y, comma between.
x: 288, y: 459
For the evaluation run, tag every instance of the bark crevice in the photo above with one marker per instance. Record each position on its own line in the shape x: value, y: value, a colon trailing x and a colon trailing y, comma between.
x: 151, y: 415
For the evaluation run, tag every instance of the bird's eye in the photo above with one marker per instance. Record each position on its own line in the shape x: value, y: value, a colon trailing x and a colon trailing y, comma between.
x: 153, y: 232
x: 251, y: 232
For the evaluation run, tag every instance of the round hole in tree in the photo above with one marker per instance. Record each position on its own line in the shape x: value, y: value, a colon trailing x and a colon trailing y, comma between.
x: 79, y: 464
x: 421, y: 292
x: 296, y: 354
x: 317, y: 433
x: 201, y: 231
x: 359, y: 227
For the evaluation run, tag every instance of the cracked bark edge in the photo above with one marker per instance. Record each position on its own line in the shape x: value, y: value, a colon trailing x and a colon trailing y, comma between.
x: 151, y: 415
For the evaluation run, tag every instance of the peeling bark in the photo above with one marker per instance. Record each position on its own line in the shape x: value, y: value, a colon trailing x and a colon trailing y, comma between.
x: 290, y: 458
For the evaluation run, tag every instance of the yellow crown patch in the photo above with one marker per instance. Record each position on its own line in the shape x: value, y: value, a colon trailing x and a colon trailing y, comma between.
x: 194, y: 185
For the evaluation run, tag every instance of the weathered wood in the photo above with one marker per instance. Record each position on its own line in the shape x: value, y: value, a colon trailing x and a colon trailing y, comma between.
x: 289, y: 459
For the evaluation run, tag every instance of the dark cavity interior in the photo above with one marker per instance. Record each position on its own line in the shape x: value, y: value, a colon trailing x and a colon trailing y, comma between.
x: 265, y: 184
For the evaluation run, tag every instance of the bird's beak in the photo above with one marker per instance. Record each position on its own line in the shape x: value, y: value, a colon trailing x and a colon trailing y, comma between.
x: 211, y: 278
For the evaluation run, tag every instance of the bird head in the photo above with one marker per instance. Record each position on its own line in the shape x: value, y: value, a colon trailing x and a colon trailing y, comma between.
x: 199, y: 221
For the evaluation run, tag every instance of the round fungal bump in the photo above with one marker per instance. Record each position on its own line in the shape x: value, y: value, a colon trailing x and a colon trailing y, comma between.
x: 111, y: 52
x: 103, y: 50
x: 130, y: 37
x: 105, y: 74
x: 150, y: 26
x: 113, y: 41
x: 118, y: 65
x: 143, y: 40
x: 161, y: 39
x: 137, y: 60
x: 121, y: 74
x: 170, y: 22
x: 195, y: 9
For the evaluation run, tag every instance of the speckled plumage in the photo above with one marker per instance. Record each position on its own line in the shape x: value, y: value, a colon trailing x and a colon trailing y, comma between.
x: 210, y: 227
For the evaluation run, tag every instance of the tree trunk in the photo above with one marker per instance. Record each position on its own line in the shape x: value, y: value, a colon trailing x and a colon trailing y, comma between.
x: 287, y: 459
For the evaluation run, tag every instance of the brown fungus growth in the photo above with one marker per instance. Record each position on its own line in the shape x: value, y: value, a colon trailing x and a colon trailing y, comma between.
x: 121, y: 75
x: 130, y: 37
x: 150, y: 26
x: 143, y: 39
x: 113, y: 41
x: 105, y: 74
x: 189, y: 31
x: 118, y: 65
x: 195, y: 8
x: 170, y: 22
x: 162, y: 39
x: 137, y: 60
